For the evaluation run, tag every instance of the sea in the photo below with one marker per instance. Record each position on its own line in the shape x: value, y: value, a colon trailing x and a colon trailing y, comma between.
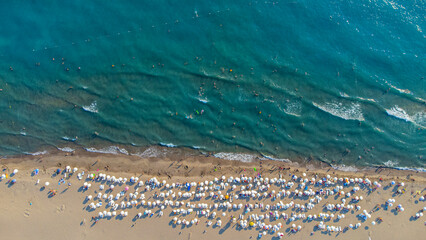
x: 341, y: 82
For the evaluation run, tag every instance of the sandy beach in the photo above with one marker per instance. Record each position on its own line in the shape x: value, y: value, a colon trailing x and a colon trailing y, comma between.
x: 30, y: 209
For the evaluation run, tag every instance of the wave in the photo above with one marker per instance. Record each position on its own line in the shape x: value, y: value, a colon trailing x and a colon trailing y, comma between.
x: 378, y: 129
x: 151, y: 152
x: 293, y: 108
x: 36, y: 153
x: 418, y: 119
x: 93, y: 107
x: 69, y: 139
x: 345, y: 95
x: 196, y: 147
x: 66, y: 149
x: 406, y: 91
x: 411, y: 169
x: 203, y: 100
x: 391, y: 163
x: 345, y: 168
x: 242, y: 157
x: 337, y: 109
x: 110, y: 150
x: 276, y: 159
x: 171, y: 145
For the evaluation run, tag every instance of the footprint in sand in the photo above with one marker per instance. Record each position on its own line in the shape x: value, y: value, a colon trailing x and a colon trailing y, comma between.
x: 60, y: 209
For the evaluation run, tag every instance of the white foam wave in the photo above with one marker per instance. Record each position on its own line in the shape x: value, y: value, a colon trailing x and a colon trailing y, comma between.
x: 345, y: 168
x: 109, y: 150
x: 171, y: 145
x: 68, y: 139
x: 390, y: 163
x: 345, y: 95
x: 203, y: 100
x: 23, y: 133
x: 36, y: 153
x: 66, y: 149
x: 348, y: 112
x: 379, y: 130
x: 418, y: 118
x: 406, y: 91
x: 151, y: 152
x: 293, y: 108
x: 236, y: 156
x: 411, y: 169
x: 93, y: 107
x: 275, y: 159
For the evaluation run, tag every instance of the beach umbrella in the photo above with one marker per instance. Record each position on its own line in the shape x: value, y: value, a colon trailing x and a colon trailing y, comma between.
x: 13, y: 181
x: 46, y: 184
x: 15, y: 171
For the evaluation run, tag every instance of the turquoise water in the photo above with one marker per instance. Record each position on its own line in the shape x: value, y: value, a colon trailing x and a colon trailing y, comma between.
x: 337, y: 81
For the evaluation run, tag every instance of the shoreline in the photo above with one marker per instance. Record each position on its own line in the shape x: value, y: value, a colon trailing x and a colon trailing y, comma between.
x: 81, y: 158
x: 161, y: 151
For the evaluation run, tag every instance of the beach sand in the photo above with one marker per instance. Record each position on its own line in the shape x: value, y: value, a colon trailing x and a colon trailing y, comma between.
x: 27, y: 212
